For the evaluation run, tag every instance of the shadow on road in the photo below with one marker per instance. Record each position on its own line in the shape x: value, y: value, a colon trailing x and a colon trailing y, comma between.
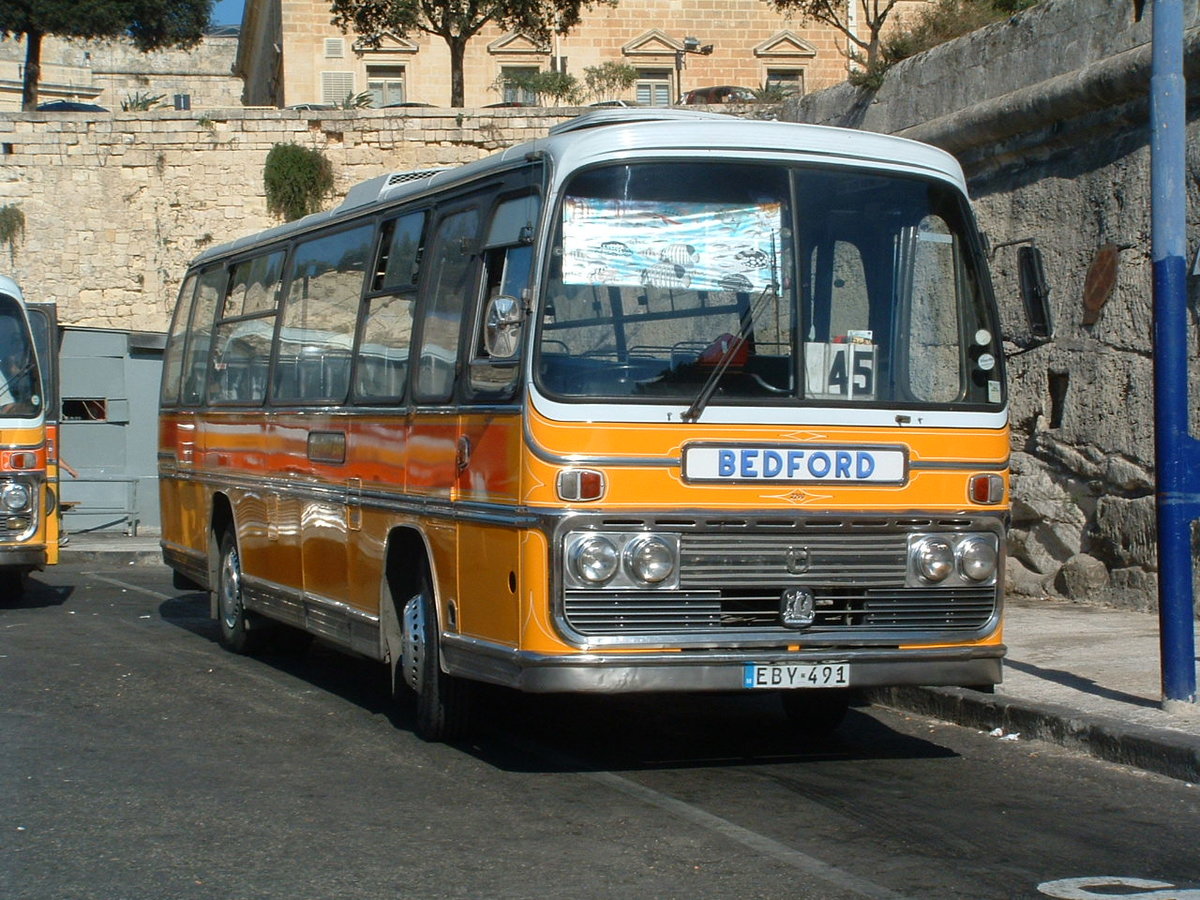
x: 558, y: 732
x: 35, y: 594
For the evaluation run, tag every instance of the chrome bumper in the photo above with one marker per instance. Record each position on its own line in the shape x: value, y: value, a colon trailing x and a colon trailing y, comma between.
x: 611, y: 673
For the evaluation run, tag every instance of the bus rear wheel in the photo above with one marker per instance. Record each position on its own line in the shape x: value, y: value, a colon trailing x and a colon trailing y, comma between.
x: 237, y: 632
x: 816, y: 713
x: 444, y: 703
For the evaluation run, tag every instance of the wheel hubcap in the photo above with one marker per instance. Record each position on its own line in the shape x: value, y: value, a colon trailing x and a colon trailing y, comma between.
x: 230, y: 596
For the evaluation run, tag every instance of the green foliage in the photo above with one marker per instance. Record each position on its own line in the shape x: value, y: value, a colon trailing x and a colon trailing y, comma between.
x: 559, y: 87
x: 150, y: 24
x: 12, y: 227
x: 456, y: 22
x: 141, y: 101
x: 945, y: 20
x: 296, y: 180
x: 771, y: 93
x: 358, y: 101
x: 608, y: 80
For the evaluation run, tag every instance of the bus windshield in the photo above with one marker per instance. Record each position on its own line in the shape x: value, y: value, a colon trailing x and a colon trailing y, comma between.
x: 20, y: 386
x: 744, y: 283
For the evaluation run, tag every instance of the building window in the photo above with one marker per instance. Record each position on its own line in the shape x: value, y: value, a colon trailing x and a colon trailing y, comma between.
x: 515, y: 80
x: 386, y: 85
x: 654, y: 87
x: 336, y: 86
x: 788, y: 81
x: 335, y: 48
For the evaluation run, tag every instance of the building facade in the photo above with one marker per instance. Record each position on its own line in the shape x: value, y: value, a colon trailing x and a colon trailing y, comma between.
x: 292, y: 54
x: 108, y: 73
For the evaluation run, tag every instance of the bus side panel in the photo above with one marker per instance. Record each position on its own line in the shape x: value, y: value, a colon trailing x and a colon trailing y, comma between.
x: 183, y: 500
x: 489, y: 448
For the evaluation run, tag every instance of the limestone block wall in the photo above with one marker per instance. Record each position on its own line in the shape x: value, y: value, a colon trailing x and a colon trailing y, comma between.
x: 116, y: 205
x: 1048, y: 113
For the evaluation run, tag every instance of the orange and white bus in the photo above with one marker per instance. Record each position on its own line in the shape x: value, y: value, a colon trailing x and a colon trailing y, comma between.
x: 28, y: 452
x: 665, y: 401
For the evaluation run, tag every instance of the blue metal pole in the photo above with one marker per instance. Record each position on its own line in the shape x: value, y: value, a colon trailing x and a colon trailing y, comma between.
x: 1177, y: 454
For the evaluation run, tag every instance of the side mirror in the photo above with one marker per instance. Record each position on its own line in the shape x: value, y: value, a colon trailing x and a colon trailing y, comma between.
x: 502, y: 327
x: 1035, y: 292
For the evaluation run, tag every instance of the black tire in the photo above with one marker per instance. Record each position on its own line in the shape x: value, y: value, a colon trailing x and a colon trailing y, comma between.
x: 445, y: 704
x: 238, y: 634
x: 816, y: 713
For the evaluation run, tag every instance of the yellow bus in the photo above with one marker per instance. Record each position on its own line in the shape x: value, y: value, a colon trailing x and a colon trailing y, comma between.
x: 28, y: 451
x: 665, y: 401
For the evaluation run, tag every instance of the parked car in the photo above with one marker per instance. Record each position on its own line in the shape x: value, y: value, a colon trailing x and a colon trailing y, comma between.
x: 69, y: 106
x: 312, y: 106
x: 722, y: 93
x: 408, y: 104
x: 622, y: 103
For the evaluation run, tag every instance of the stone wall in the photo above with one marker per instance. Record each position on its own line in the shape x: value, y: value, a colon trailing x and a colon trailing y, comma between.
x: 116, y: 205
x: 1048, y: 113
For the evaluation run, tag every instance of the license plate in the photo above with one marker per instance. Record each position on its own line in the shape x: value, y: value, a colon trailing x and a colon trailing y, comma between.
x: 824, y: 675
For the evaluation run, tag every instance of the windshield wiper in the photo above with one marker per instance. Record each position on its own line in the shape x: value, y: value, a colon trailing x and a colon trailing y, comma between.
x: 729, y: 353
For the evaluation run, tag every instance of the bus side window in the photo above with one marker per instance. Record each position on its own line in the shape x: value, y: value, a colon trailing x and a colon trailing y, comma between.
x: 199, y: 336
x: 245, y: 324
x: 381, y: 360
x: 176, y: 338
x: 451, y: 269
x: 319, y: 315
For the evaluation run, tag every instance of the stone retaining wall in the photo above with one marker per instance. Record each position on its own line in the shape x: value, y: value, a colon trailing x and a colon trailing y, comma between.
x: 116, y: 205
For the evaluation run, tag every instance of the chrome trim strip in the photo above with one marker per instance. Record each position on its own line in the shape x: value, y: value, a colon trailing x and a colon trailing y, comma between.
x: 955, y: 464
x: 579, y: 459
x: 707, y: 671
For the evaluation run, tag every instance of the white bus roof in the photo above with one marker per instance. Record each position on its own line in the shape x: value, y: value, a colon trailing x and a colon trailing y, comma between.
x: 628, y: 133
x: 10, y: 287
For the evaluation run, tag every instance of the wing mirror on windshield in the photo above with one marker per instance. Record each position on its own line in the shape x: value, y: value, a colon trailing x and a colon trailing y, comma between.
x: 1035, y: 293
x: 502, y: 328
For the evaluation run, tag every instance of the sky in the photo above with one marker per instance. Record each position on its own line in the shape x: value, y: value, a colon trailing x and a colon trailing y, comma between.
x: 227, y: 12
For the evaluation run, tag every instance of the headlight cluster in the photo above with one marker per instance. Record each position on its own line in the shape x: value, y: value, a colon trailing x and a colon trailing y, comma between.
x: 607, y: 559
x: 952, y: 559
x: 15, y: 497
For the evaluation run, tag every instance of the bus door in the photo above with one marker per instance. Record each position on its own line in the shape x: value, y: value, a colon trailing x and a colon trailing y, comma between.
x: 43, y: 322
x: 489, y: 441
x: 451, y: 277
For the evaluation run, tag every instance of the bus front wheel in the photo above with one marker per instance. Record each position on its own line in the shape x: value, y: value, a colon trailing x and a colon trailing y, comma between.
x: 237, y: 632
x: 444, y: 703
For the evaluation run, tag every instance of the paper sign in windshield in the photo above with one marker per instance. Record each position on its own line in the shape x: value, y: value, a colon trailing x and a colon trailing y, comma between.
x: 796, y: 465
x: 685, y: 246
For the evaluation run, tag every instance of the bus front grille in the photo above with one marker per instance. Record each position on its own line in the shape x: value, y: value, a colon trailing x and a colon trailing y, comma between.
x: 838, y: 610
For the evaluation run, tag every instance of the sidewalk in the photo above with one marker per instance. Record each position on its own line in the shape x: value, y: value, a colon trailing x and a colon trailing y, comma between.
x: 1080, y: 676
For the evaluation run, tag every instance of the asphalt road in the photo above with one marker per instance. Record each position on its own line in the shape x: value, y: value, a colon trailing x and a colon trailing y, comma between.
x: 139, y: 760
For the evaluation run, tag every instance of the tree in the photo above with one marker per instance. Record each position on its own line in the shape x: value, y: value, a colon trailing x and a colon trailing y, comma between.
x: 835, y: 13
x: 456, y: 22
x: 150, y: 24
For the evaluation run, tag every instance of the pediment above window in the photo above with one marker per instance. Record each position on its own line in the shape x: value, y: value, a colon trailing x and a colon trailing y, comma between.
x: 388, y: 44
x: 516, y: 43
x: 785, y: 45
x: 652, y: 43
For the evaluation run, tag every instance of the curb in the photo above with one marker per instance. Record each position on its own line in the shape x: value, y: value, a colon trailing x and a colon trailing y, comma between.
x: 1170, y: 753
x: 115, y: 556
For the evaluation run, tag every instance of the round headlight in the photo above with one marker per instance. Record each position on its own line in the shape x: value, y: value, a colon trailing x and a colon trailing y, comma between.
x: 649, y: 560
x: 594, y: 559
x: 14, y: 496
x: 977, y: 559
x: 934, y: 559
